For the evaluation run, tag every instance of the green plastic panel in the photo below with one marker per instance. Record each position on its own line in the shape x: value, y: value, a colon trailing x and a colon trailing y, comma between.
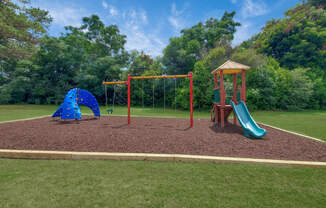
x: 217, y: 98
x: 238, y: 96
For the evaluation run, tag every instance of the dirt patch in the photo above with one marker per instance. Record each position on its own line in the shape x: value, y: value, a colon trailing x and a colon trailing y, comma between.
x: 156, y: 135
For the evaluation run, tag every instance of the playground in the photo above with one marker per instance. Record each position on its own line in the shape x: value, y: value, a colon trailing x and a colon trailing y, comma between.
x: 163, y: 103
x: 41, y: 182
x: 221, y: 135
x: 156, y: 135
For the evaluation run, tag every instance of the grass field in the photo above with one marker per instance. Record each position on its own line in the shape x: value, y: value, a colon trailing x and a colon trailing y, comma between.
x: 311, y: 123
x: 13, y: 112
x: 59, y: 183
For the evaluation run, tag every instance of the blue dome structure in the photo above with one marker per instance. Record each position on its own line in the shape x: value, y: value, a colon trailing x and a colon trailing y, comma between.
x: 69, y: 109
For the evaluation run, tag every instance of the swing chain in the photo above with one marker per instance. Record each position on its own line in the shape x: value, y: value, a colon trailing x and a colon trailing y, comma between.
x: 175, y: 94
x: 143, y: 93
x: 113, y: 97
x: 153, y: 93
x: 106, y: 96
x: 164, y: 93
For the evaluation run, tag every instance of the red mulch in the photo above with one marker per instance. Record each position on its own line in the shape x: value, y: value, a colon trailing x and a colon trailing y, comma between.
x: 156, y: 135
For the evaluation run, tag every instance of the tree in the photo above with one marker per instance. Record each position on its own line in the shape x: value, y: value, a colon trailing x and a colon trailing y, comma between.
x: 298, y: 40
x: 21, y: 27
x: 82, y: 57
x: 317, y: 3
x: 107, y: 40
x: 195, y: 43
x: 100, y: 52
x: 139, y: 63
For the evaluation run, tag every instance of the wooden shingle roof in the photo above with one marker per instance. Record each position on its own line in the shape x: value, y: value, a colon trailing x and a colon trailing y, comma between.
x: 230, y: 67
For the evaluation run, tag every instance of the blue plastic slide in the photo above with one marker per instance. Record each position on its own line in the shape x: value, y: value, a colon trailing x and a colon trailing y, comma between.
x: 70, y: 106
x: 251, y: 129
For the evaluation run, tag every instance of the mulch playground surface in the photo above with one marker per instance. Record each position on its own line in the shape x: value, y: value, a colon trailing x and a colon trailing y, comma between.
x: 156, y: 135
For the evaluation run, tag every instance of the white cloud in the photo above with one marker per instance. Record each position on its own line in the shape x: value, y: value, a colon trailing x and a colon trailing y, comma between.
x: 63, y: 14
x: 134, y: 26
x: 142, y: 41
x: 123, y: 15
x: 133, y: 14
x: 249, y: 9
x: 105, y: 5
x: 66, y: 16
x: 176, y: 24
x: 133, y: 17
x: 113, y: 11
x: 233, y: 1
x: 244, y: 32
x: 176, y: 18
x: 143, y: 16
x: 253, y: 9
x: 132, y: 22
x: 174, y: 10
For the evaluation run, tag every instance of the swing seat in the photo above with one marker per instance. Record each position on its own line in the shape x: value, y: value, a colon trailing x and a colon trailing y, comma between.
x: 110, y: 111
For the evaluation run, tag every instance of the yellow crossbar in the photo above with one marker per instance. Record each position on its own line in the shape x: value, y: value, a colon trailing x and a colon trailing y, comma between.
x: 160, y: 77
x: 117, y: 82
x: 147, y: 77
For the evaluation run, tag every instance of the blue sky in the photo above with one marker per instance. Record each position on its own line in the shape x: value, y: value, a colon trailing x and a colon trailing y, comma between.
x: 149, y: 24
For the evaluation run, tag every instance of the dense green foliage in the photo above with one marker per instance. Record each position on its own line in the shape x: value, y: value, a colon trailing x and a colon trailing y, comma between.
x: 298, y: 43
x: 82, y: 57
x: 287, y: 59
x: 196, y: 42
x: 20, y: 29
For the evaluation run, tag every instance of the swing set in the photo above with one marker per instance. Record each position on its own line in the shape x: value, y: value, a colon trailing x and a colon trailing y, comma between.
x: 128, y: 83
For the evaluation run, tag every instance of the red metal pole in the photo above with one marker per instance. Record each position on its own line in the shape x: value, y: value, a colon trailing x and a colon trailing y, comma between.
x: 222, y: 95
x: 234, y: 88
x: 128, y: 82
x: 215, y: 104
x: 191, y: 100
x: 234, y: 96
x: 222, y: 88
x: 243, y: 86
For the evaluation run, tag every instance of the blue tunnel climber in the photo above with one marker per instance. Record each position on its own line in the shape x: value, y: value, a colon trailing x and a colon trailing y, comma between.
x: 69, y: 109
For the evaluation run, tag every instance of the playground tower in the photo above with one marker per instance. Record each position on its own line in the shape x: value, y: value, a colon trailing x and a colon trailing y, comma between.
x: 221, y: 111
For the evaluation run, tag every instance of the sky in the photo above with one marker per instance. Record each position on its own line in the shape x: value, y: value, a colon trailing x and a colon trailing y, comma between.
x: 149, y: 24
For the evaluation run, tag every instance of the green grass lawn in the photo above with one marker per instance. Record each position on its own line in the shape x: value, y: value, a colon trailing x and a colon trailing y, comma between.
x: 60, y: 183
x: 14, y: 112
x: 311, y: 123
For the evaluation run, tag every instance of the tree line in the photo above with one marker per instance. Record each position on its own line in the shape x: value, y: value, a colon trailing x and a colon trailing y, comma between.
x: 287, y: 59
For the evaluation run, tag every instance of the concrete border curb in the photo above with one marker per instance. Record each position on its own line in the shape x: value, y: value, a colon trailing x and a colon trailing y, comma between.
x: 34, y: 154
